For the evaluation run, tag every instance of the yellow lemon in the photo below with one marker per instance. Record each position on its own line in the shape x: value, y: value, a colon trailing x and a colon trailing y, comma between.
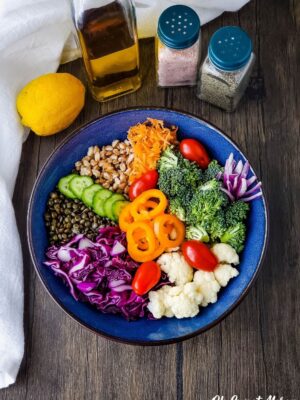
x: 51, y: 102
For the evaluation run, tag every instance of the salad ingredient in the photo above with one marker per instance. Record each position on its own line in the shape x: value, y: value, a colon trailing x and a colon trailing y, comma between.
x: 177, y: 269
x: 193, y: 150
x: 208, y: 286
x: 149, y: 140
x: 109, y: 165
x: 146, y: 277
x: 117, y: 208
x: 236, y: 183
x: 197, y: 233
x: 225, y: 253
x: 99, y: 201
x: 64, y: 186
x: 179, y: 301
x: 79, y: 183
x: 235, y: 236
x: 109, y: 205
x: 178, y: 179
x: 66, y: 217
x: 95, y: 274
x: 198, y: 255
x: 213, y: 171
x: 145, y: 182
x: 169, y: 230
x: 236, y: 212
x: 89, y: 193
x: 141, y: 247
x: 125, y: 219
x: 159, y: 200
x: 224, y: 272
x: 176, y: 208
x: 51, y: 102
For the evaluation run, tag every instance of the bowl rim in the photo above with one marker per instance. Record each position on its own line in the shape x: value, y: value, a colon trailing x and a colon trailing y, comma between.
x: 137, y: 342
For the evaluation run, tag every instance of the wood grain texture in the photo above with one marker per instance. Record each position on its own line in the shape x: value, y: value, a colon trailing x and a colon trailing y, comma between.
x: 255, y: 351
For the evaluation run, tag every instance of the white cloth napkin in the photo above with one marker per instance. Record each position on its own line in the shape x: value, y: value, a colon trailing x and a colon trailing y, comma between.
x: 35, y: 36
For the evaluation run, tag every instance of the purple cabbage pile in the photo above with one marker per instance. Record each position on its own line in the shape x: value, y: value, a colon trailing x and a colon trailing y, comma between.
x: 99, y: 272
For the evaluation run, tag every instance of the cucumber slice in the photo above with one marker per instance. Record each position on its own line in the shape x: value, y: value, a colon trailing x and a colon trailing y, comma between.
x: 64, y: 188
x: 79, y: 183
x: 89, y: 193
x: 99, y: 199
x: 108, y: 205
x: 118, y: 207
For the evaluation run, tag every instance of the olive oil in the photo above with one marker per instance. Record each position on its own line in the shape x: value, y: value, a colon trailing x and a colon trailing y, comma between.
x: 110, y: 50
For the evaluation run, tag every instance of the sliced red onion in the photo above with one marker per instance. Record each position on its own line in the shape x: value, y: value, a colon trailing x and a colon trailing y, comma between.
x: 242, y: 187
x: 117, y: 249
x: 251, y: 180
x: 250, y: 198
x: 239, y: 168
x: 250, y: 191
x: 228, y: 194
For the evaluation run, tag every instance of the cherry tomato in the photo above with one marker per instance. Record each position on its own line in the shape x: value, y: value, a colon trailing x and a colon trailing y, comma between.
x: 198, y: 255
x: 194, y: 151
x: 145, y: 182
x: 146, y: 277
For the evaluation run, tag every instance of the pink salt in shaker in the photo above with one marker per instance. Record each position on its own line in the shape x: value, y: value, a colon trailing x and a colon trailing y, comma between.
x: 178, y: 47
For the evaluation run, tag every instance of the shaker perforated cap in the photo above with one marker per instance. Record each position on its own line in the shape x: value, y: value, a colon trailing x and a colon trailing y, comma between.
x: 178, y: 27
x: 230, y: 48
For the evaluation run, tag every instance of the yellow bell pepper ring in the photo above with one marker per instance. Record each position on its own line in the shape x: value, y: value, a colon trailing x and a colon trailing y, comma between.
x: 153, y: 195
x: 125, y: 218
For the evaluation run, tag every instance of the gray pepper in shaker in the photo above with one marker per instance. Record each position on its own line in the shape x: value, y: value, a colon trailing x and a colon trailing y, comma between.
x: 225, y: 72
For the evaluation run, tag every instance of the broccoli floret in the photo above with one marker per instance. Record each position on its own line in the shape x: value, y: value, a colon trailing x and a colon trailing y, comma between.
x: 213, y: 169
x: 236, y: 212
x: 207, y: 200
x: 168, y: 160
x: 178, y: 178
x: 197, y: 233
x: 176, y: 208
x: 235, y: 236
x: 218, y: 226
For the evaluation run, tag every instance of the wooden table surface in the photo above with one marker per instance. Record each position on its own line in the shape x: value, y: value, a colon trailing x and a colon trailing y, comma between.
x: 255, y: 351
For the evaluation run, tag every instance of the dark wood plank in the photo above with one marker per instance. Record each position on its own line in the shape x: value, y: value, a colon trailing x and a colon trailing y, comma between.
x: 255, y: 351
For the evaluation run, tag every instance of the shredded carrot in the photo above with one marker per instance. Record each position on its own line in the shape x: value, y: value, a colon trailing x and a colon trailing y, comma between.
x: 149, y: 140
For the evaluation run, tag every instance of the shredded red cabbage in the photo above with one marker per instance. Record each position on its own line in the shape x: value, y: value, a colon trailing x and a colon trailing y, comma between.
x: 100, y: 272
x: 235, y: 182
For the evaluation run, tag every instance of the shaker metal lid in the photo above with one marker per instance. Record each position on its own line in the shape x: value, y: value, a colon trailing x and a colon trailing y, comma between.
x: 230, y: 48
x: 178, y: 27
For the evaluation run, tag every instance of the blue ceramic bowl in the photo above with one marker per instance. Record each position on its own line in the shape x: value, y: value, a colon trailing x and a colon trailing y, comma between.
x: 146, y: 332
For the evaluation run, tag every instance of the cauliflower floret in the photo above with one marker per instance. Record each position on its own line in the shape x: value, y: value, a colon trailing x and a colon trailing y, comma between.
x: 179, y: 301
x: 157, y: 304
x: 225, y: 253
x: 177, y: 269
x: 224, y: 272
x: 208, y: 285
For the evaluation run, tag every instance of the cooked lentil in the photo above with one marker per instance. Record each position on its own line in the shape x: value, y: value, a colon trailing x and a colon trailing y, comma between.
x: 64, y: 218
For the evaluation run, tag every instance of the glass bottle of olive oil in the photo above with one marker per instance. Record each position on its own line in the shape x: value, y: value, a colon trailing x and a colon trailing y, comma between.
x: 109, y: 44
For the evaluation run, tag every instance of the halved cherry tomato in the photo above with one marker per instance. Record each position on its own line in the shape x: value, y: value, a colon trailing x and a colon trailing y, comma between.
x: 198, y: 255
x: 194, y: 151
x: 146, y: 277
x: 145, y: 182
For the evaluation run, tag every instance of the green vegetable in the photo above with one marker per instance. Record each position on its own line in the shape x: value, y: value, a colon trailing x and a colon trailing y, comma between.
x: 208, y: 199
x: 99, y: 199
x: 177, y: 209
x: 178, y: 177
x: 118, y: 207
x: 79, y: 183
x: 197, y: 233
x: 235, y: 236
x: 64, y: 186
x: 212, y: 170
x: 89, y: 193
x: 236, y: 212
x: 217, y: 226
x: 108, y: 205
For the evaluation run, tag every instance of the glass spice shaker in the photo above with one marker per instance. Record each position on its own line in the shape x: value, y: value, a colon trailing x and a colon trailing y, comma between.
x: 108, y: 38
x: 177, y: 47
x: 225, y: 72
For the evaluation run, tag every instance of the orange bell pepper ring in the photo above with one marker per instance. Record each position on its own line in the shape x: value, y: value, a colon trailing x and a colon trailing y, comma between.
x: 125, y: 218
x: 169, y: 230
x: 138, y: 210
x: 141, y: 250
